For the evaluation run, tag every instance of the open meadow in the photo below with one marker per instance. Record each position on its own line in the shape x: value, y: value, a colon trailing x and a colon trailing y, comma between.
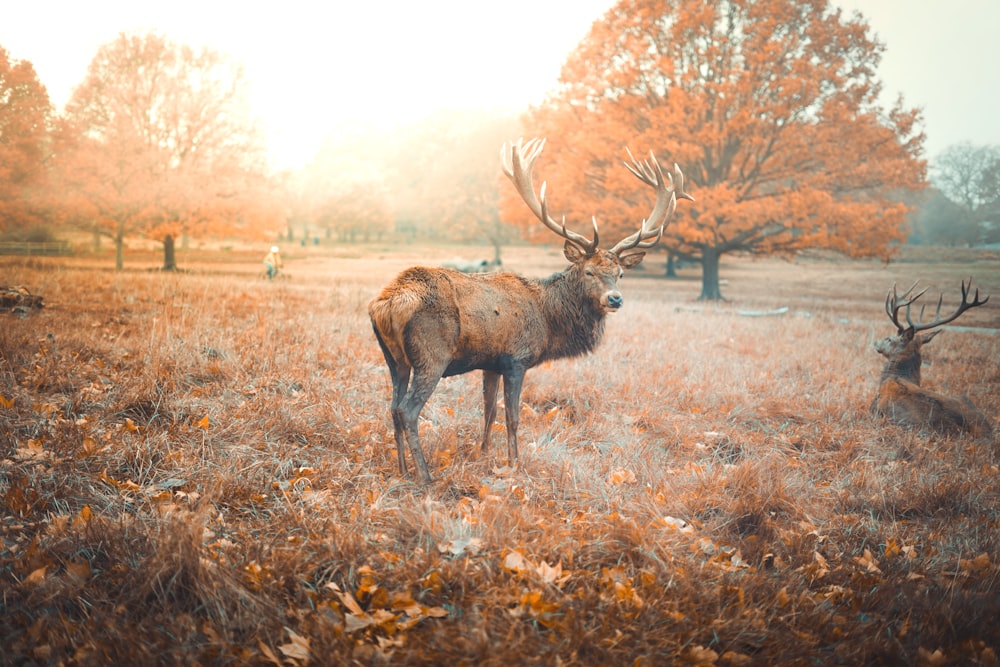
x: 199, y: 468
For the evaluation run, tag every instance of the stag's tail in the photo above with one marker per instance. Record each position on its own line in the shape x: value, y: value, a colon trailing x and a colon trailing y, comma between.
x: 391, y: 310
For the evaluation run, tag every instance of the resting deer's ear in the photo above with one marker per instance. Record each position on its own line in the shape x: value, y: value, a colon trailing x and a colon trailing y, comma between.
x: 928, y: 337
x: 632, y: 260
x: 573, y: 252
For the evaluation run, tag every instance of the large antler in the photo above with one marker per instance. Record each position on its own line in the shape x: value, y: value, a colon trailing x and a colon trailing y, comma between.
x: 517, y: 160
x: 894, y: 302
x: 649, y: 172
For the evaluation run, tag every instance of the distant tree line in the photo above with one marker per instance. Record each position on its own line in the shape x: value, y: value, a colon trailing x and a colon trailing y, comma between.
x: 159, y: 142
x: 782, y: 153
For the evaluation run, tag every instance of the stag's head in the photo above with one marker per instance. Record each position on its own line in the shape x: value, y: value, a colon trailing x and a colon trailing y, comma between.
x: 902, y: 350
x: 599, y: 274
x: 598, y: 270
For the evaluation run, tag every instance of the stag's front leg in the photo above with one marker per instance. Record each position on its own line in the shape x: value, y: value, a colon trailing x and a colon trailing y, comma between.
x: 512, y: 382
x: 491, y: 382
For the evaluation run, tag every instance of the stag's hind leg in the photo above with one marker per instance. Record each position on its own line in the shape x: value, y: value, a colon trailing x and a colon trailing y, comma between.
x: 424, y: 382
x: 491, y: 382
x: 400, y: 380
x: 399, y: 371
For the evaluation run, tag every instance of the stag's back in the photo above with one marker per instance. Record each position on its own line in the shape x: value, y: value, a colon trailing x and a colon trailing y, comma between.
x: 431, y: 315
x: 909, y: 404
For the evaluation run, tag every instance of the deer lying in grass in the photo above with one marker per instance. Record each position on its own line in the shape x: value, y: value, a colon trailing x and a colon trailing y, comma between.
x: 439, y: 322
x: 900, y: 396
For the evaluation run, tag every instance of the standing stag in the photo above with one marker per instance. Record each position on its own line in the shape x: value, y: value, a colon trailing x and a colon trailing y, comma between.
x: 439, y: 322
x: 900, y: 396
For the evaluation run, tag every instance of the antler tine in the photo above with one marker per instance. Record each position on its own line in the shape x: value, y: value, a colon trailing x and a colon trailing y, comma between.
x: 517, y: 162
x: 894, y: 302
x: 938, y: 320
x: 562, y: 231
x: 649, y: 172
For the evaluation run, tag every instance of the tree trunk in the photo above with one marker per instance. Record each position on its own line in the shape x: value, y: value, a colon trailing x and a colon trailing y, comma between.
x: 497, y: 260
x: 97, y: 238
x: 710, y: 275
x: 671, y: 266
x: 119, y: 252
x: 169, y: 258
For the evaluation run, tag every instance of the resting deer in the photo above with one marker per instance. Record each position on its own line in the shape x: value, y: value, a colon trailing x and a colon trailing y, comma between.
x: 900, y: 396
x: 438, y: 322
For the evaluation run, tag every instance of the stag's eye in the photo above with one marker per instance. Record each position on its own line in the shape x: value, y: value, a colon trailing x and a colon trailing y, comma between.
x: 589, y: 272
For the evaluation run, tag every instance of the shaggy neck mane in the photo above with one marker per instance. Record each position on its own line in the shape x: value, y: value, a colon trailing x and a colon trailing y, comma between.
x: 575, y: 326
x: 907, y: 367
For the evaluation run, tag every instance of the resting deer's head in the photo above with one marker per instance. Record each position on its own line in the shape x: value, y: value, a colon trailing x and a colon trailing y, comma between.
x: 902, y: 351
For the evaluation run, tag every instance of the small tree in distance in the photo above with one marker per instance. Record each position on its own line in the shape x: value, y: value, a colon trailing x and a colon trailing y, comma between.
x: 769, y: 106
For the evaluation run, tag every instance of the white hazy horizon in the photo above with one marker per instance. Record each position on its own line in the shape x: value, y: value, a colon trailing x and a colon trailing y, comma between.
x: 314, y: 68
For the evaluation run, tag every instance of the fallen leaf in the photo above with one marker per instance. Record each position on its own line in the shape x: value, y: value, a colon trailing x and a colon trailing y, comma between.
x: 269, y: 654
x: 699, y: 655
x: 867, y: 561
x: 925, y: 657
x: 36, y: 575
x: 621, y: 476
x: 515, y: 561
x: 297, y: 647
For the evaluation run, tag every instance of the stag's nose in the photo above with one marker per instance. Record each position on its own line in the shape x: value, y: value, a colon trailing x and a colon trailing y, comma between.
x: 614, y: 301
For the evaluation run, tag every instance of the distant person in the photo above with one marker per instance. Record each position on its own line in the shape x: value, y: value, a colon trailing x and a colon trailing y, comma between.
x: 272, y: 262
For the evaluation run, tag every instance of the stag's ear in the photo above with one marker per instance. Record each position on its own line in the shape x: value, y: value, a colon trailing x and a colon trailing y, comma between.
x: 632, y: 260
x: 573, y: 252
x: 928, y: 337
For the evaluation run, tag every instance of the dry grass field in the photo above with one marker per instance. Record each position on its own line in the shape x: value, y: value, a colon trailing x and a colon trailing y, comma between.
x: 198, y: 468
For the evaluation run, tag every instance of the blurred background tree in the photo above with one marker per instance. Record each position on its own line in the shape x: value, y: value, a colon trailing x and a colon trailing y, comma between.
x: 25, y: 112
x: 968, y: 177
x: 158, y: 140
x: 434, y: 179
x: 771, y: 109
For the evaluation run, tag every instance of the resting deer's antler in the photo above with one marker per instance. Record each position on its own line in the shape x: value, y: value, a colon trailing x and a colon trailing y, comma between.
x: 649, y: 172
x: 894, y: 302
x: 517, y: 160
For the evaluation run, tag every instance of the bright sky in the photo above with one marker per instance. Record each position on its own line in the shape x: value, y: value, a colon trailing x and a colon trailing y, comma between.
x: 316, y: 66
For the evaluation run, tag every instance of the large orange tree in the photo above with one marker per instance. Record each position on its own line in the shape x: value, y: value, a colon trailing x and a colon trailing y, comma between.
x: 158, y: 140
x: 24, y: 117
x: 771, y: 107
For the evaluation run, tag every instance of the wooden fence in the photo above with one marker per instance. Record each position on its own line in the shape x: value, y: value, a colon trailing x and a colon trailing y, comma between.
x: 36, y: 248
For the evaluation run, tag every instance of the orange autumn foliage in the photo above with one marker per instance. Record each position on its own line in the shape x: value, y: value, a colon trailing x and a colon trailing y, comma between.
x: 24, y: 117
x: 769, y: 106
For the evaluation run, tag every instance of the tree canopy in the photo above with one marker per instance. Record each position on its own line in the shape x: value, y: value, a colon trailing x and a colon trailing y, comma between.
x: 771, y: 109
